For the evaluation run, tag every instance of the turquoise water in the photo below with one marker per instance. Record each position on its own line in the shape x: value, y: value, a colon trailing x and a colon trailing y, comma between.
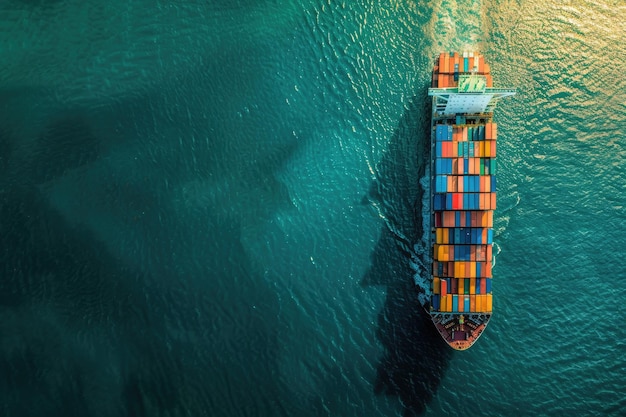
x: 214, y: 209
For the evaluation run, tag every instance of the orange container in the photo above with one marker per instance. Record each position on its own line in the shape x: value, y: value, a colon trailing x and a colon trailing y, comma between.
x: 448, y: 219
x: 443, y: 287
x: 489, y: 303
x: 472, y: 289
x: 494, y: 131
x: 436, y: 285
x: 481, y: 64
x: 483, y: 286
x: 488, y: 130
x: 492, y: 149
x: 493, y: 201
x: 461, y: 303
x: 461, y: 286
x: 481, y: 253
x: 446, y: 63
x: 449, y: 303
x: 473, y: 303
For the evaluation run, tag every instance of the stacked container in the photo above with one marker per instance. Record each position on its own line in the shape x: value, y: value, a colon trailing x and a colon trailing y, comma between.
x: 464, y: 198
x: 450, y: 65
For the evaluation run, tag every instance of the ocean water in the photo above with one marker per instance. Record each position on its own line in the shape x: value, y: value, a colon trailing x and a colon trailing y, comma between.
x: 213, y: 208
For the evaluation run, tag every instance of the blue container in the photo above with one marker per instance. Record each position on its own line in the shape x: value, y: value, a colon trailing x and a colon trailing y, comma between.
x: 466, y: 303
x: 439, y: 133
x: 493, y: 184
x: 441, y: 183
x: 437, y: 202
x: 436, y: 302
x: 488, y: 286
x: 465, y: 64
x: 481, y: 132
x: 478, y: 280
x: 455, y: 302
x: 479, y: 269
x: 471, y: 149
x: 489, y: 236
x: 449, y: 132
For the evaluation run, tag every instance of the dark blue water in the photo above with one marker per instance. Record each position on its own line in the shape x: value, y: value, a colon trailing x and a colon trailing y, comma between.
x: 214, y: 209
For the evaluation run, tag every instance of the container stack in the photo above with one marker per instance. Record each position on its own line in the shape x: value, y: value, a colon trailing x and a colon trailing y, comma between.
x: 450, y: 65
x: 464, y: 197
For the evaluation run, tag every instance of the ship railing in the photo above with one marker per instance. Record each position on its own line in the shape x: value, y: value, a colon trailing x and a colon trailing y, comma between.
x: 455, y: 90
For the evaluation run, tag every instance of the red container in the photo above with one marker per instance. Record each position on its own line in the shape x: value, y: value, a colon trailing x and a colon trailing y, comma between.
x: 454, y: 286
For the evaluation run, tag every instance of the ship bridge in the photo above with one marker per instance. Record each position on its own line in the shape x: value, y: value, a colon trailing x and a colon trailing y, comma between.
x: 470, y: 96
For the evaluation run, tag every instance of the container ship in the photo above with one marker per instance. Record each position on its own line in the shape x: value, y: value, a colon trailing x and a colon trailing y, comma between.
x: 462, y: 196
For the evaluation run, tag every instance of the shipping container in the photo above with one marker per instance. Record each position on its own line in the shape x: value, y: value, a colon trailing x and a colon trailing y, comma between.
x: 436, y: 305
x: 436, y: 285
x: 489, y: 303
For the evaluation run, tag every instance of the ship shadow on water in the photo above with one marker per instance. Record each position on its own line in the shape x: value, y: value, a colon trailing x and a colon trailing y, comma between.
x: 415, y: 357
